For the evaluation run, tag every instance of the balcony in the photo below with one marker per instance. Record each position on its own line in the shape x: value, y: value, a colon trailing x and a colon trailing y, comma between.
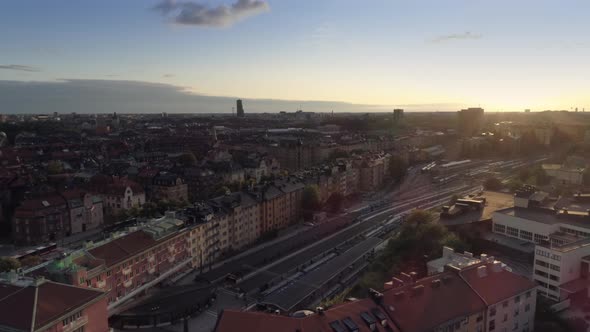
x: 101, y: 284
x: 152, y: 270
x: 171, y: 249
x: 128, y: 283
x: 151, y: 259
x: 78, y: 323
x: 171, y: 259
x: 127, y: 270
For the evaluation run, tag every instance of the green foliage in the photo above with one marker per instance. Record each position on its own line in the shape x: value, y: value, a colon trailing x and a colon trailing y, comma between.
x: 8, y: 263
x: 187, y: 159
x: 586, y: 177
x: 421, y: 237
x: 547, y: 320
x: 30, y: 261
x: 310, y: 199
x: 223, y: 190
x: 335, y: 202
x: 55, y: 167
x: 492, y: 183
x: 453, y: 199
x: 397, y: 168
x: 338, y: 154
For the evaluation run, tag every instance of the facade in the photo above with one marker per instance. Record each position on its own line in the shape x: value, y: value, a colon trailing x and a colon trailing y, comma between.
x: 470, y: 121
x: 170, y: 187
x: 564, y: 175
x: 240, y: 108
x: 43, y: 306
x: 125, y: 266
x: 85, y: 210
x: 41, y: 220
x: 372, y: 171
x: 118, y: 194
x: 561, y: 234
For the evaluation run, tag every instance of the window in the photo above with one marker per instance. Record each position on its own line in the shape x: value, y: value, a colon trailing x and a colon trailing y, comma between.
x: 526, y: 235
x: 527, y: 307
x: 499, y: 228
x: 492, y: 325
x: 492, y: 311
x: 553, y: 277
x: 528, y: 294
x: 505, y: 317
x: 554, y: 267
x: 72, y: 318
x: 542, y: 263
x: 516, y: 312
x: 517, y: 299
x: 512, y: 231
x: 515, y: 326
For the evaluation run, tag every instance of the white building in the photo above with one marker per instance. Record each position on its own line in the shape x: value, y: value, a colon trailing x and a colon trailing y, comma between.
x: 452, y: 258
x: 561, y: 232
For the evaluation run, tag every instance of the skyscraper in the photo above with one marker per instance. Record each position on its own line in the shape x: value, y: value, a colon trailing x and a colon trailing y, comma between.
x: 240, y: 108
x: 470, y: 121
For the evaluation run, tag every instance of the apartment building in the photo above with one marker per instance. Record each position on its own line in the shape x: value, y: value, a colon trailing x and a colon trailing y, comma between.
x: 40, y: 220
x: 483, y: 297
x: 85, y: 210
x: 168, y: 186
x: 124, y: 266
x: 242, y: 212
x: 373, y: 169
x: 39, y: 305
x: 117, y: 194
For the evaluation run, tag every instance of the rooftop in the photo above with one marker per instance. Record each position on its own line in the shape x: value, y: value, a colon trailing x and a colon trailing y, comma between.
x: 48, y: 301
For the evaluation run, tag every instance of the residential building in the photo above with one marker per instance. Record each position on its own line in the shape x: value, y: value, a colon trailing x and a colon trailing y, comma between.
x: 485, y: 296
x: 470, y: 121
x: 127, y: 265
x: 85, y: 210
x: 41, y: 220
x: 170, y: 187
x: 240, y: 108
x: 118, y: 194
x: 39, y: 305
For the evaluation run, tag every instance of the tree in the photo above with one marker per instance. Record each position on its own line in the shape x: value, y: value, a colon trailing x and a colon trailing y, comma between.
x: 187, y: 159
x: 539, y: 177
x: 221, y: 191
x: 55, y: 167
x: 310, y: 200
x: 453, y: 199
x: 335, y: 202
x: 397, y: 168
x: 31, y: 261
x: 492, y: 183
x: 8, y: 263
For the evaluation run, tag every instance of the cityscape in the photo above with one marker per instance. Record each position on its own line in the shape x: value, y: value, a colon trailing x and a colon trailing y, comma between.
x: 187, y: 173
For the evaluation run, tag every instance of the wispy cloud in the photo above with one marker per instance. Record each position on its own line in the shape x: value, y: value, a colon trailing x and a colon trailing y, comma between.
x: 457, y: 36
x: 198, y: 14
x: 20, y: 68
x: 168, y: 75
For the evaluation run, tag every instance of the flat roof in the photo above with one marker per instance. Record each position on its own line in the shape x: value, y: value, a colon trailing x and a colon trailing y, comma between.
x: 547, y: 217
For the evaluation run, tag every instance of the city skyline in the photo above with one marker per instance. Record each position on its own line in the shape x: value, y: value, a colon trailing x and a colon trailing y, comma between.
x: 332, y: 55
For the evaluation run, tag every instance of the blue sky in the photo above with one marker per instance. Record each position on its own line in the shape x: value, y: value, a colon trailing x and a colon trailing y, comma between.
x: 503, y: 55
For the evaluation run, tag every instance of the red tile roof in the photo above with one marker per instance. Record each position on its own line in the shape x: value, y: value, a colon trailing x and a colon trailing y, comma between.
x: 233, y: 320
x: 124, y: 247
x: 449, y: 297
x: 53, y: 301
x: 497, y: 286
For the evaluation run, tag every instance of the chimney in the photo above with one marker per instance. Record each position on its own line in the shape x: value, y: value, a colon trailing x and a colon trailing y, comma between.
x: 448, y: 252
x: 170, y: 214
x: 375, y: 296
x: 319, y: 310
x: 414, y: 276
x: 483, y: 257
x: 468, y: 254
x: 407, y: 279
x: 497, y: 266
x: 435, y: 283
x: 399, y: 295
x: 482, y: 271
x: 417, y: 290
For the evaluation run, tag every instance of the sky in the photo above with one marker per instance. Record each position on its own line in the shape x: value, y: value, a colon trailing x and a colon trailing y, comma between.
x: 279, y: 55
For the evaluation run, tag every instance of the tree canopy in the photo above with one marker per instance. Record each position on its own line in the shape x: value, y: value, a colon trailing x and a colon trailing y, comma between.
x: 8, y: 263
x: 310, y: 200
x: 397, y: 168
